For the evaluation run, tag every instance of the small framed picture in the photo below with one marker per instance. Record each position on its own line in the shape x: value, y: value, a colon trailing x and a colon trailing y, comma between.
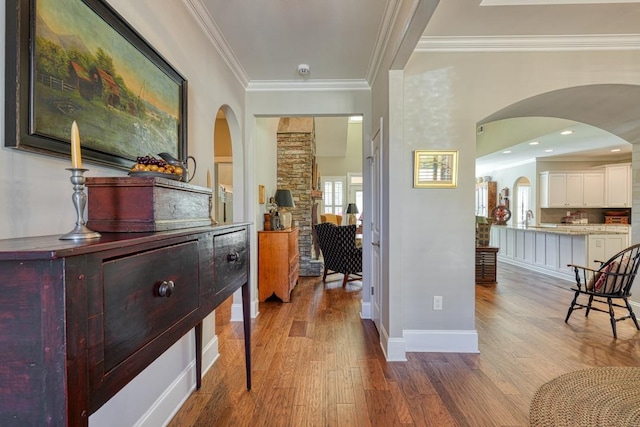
x: 435, y: 169
x: 262, y: 198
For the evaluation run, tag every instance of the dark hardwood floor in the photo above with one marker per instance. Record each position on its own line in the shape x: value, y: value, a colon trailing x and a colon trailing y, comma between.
x: 316, y: 363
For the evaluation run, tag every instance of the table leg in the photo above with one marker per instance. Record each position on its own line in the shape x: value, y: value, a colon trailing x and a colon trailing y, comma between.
x: 246, y: 312
x: 198, y: 331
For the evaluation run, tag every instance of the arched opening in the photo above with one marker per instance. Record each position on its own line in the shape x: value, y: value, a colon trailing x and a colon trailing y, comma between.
x: 522, y: 201
x: 558, y: 153
x: 223, y: 170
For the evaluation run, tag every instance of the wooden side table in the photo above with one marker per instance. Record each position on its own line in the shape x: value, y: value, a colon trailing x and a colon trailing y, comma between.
x: 486, y: 265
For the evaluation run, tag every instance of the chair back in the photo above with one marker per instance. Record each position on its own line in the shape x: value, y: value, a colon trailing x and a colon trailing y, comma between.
x: 335, y: 241
x: 616, y: 275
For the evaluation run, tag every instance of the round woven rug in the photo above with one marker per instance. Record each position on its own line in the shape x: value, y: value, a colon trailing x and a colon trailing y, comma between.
x: 608, y: 396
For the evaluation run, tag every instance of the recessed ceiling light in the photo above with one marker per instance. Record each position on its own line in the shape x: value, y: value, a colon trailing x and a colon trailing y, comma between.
x: 355, y: 119
x: 548, y: 150
x: 506, y: 152
x: 534, y: 143
x: 615, y: 150
x: 566, y: 132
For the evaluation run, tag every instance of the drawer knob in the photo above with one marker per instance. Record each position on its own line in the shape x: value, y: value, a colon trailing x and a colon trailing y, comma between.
x: 233, y: 257
x: 165, y: 289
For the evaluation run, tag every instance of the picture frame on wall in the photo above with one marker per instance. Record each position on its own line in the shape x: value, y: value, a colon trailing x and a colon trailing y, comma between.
x: 79, y: 60
x: 435, y: 169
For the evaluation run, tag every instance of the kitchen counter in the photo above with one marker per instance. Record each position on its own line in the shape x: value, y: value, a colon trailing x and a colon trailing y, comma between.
x: 548, y: 248
x: 573, y: 229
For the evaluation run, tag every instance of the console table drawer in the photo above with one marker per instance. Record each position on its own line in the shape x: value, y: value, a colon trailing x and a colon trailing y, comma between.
x: 139, y: 300
x: 230, y: 253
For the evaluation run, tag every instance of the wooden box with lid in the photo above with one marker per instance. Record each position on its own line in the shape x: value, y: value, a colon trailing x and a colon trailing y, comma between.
x: 141, y: 204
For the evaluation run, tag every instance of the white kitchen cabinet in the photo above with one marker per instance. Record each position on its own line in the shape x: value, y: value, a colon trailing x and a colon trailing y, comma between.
x: 604, y: 246
x: 593, y: 189
x: 572, y: 189
x: 618, y: 179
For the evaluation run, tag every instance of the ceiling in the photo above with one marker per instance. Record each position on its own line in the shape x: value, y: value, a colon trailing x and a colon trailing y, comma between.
x: 341, y: 40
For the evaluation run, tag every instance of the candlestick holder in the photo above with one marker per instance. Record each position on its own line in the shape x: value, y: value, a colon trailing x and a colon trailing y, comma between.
x: 80, y: 232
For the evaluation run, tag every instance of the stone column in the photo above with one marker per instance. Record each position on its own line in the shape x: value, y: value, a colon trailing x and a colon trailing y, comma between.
x: 296, y: 154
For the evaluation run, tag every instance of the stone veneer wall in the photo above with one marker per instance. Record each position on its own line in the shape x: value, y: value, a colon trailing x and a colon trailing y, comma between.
x: 296, y: 153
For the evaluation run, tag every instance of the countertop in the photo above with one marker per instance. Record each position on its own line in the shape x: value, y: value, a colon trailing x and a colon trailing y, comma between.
x: 569, y: 229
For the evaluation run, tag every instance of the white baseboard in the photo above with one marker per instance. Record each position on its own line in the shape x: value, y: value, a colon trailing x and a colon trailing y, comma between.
x: 426, y: 341
x: 169, y: 403
x: 236, y: 311
x: 393, y: 348
x: 365, y: 310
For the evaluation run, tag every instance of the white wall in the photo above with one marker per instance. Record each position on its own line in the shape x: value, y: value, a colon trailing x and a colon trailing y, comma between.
x: 36, y: 192
x: 508, y: 177
x: 351, y: 161
x: 266, y: 172
x: 446, y: 94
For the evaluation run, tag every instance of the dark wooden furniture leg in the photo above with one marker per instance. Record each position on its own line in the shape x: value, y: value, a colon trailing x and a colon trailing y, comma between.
x: 198, y: 331
x: 246, y: 317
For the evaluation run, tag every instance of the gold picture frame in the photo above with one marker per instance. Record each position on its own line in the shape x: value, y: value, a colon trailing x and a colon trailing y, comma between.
x: 435, y: 169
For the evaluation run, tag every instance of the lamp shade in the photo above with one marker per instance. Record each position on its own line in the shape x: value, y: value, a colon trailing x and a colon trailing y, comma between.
x: 284, y: 199
x: 352, y: 208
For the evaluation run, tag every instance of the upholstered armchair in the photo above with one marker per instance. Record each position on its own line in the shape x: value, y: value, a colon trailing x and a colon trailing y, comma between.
x: 332, y: 218
x: 338, y: 247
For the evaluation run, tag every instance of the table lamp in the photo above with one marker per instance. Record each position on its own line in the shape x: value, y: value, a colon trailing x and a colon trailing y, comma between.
x: 352, y: 210
x: 284, y: 199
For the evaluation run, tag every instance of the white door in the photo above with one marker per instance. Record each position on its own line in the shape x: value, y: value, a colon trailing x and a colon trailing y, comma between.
x: 376, y: 215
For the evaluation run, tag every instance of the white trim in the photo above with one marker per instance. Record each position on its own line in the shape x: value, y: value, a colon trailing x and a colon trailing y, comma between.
x: 391, y: 11
x: 200, y: 12
x: 426, y: 341
x: 365, y: 310
x: 392, y: 348
x: 307, y: 85
x: 529, y: 43
x: 549, y: 2
x: 236, y: 312
x: 169, y: 403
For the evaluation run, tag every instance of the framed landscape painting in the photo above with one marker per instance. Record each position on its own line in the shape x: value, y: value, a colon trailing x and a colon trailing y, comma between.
x: 79, y: 60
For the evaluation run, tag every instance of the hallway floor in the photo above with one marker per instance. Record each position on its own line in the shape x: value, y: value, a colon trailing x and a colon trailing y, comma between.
x: 316, y: 363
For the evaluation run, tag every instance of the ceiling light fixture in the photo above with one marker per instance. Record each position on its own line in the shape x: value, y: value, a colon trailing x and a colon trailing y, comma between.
x: 304, y: 69
x: 534, y: 143
x: 506, y: 152
x: 566, y: 132
x: 549, y: 150
x: 615, y: 150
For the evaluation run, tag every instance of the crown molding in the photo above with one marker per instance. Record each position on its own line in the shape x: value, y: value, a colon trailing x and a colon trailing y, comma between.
x: 212, y: 31
x: 384, y: 35
x: 307, y: 85
x: 529, y: 43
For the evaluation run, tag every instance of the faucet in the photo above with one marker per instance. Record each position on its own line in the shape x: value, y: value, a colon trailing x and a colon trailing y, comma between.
x: 528, y: 217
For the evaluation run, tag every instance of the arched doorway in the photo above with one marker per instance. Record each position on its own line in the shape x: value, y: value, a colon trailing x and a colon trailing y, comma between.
x: 223, y: 170
x: 522, y: 202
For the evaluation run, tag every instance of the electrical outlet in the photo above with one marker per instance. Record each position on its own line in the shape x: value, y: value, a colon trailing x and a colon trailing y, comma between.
x: 437, y: 302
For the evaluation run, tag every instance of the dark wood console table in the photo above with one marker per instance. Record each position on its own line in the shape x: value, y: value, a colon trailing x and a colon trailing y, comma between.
x: 78, y: 321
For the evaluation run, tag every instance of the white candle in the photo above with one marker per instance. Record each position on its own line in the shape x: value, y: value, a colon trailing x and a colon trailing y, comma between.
x: 76, y: 158
x: 208, y: 178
